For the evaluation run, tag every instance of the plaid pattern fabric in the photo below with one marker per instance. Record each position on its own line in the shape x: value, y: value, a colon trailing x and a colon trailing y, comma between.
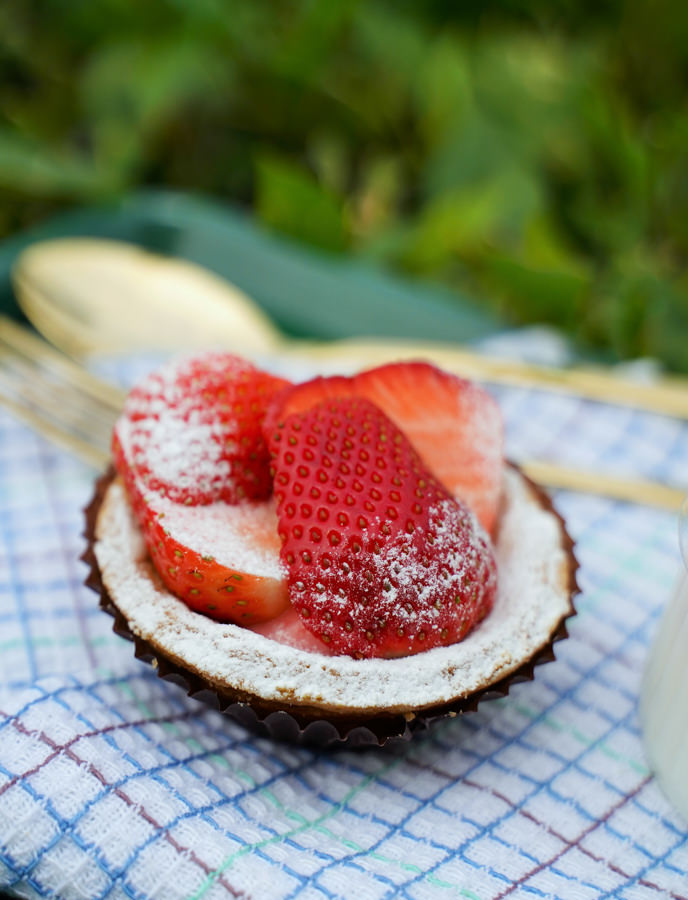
x: 114, y: 784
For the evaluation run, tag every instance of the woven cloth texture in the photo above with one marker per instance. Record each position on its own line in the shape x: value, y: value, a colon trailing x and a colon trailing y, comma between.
x: 114, y: 784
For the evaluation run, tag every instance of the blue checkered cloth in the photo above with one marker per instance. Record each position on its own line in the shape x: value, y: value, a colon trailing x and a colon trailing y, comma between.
x: 114, y: 784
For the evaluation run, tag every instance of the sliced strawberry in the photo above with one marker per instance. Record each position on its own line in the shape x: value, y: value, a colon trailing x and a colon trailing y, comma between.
x: 455, y: 425
x: 191, y: 435
x: 237, y: 577
x: 221, y: 559
x: 287, y: 628
x: 382, y: 561
x: 192, y: 431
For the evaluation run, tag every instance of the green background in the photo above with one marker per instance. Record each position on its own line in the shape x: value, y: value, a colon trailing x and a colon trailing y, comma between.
x: 530, y: 156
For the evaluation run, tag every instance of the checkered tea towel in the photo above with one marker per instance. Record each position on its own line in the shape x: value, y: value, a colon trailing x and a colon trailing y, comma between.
x: 114, y: 784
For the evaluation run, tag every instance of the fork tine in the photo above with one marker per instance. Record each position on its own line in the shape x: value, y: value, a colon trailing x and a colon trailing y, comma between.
x: 36, y: 352
x: 57, y: 404
x: 56, y: 397
x: 40, y: 388
x: 56, y: 432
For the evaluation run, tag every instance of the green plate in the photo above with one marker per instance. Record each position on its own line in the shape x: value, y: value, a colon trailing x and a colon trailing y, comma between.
x: 308, y: 294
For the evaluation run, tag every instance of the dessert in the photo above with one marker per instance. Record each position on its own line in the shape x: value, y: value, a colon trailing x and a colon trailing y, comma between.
x: 318, y: 557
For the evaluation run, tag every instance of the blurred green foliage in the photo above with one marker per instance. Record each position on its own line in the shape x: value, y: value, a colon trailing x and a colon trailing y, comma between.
x: 533, y: 153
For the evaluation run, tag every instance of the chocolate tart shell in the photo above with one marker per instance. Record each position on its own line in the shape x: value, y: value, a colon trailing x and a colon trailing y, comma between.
x: 307, y: 725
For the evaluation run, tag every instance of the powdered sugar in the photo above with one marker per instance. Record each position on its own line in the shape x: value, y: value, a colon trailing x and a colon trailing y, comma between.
x: 192, y: 430
x: 461, y: 441
x: 241, y: 536
x: 192, y: 455
x: 426, y: 587
x: 532, y: 599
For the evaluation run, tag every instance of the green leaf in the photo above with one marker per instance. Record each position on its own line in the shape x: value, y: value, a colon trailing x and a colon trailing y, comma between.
x: 387, y: 54
x: 32, y: 168
x: 376, y: 203
x: 395, y: 44
x: 467, y: 221
x: 544, y: 247
x: 640, y: 310
x: 131, y: 89
x: 292, y: 201
x: 611, y: 204
x: 473, y: 150
x: 442, y: 90
x: 308, y: 42
x: 329, y: 157
x: 456, y: 221
x: 536, y: 295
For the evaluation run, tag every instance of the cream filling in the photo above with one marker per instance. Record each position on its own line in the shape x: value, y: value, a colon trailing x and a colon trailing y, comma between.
x: 532, y: 599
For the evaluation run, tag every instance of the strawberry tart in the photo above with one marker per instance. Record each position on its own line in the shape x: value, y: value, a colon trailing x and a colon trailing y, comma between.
x: 342, y: 559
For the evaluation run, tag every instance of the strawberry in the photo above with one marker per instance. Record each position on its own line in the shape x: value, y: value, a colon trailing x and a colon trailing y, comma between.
x: 245, y: 584
x: 454, y: 425
x: 192, y: 431
x: 287, y: 628
x: 191, y: 435
x: 381, y: 559
x: 221, y: 559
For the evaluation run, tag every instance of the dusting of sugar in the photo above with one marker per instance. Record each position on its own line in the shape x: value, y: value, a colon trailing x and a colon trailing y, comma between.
x: 532, y: 599
x: 408, y: 566
x: 413, y: 580
x: 241, y: 536
x: 180, y: 429
x: 188, y: 454
x: 468, y: 468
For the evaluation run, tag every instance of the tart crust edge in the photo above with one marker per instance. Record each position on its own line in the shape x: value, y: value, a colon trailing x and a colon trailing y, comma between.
x: 322, y: 725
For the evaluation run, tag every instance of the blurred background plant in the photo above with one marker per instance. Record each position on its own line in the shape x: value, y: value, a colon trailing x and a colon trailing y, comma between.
x: 533, y: 154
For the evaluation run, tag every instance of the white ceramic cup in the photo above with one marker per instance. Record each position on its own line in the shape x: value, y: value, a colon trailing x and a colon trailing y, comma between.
x: 664, y: 695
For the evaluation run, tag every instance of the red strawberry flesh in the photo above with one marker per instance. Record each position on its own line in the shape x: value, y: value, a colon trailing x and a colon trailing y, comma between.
x: 454, y: 425
x: 382, y: 560
x: 244, y: 583
x: 287, y: 628
x: 221, y: 559
x: 191, y: 435
x: 192, y: 431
